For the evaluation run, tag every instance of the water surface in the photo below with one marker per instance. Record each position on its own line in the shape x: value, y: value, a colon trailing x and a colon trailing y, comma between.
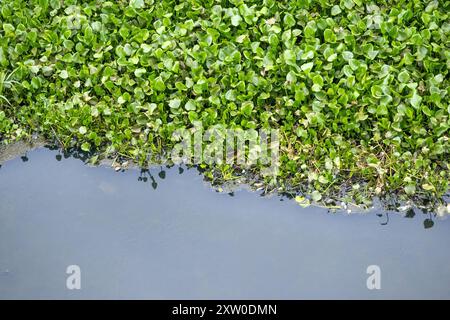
x: 169, y: 235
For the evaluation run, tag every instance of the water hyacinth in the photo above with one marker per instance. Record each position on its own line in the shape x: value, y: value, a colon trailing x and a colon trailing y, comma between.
x: 358, y: 89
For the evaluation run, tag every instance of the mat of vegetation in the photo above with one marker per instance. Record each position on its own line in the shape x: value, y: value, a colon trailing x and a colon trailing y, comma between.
x: 358, y: 90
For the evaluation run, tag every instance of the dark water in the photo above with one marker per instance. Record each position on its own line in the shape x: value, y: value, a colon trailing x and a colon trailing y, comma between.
x: 183, y: 240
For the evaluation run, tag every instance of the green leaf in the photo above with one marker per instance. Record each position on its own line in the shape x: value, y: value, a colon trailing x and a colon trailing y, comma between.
x: 348, y: 4
x: 403, y: 76
x: 190, y: 105
x: 247, y: 108
x: 410, y: 189
x: 159, y: 84
x: 382, y: 110
x: 416, y: 100
x: 289, y: 20
x: 64, y: 74
x: 236, y: 20
x: 289, y: 56
x: 146, y: 48
x: 318, y: 80
x: 302, y: 201
x: 307, y: 66
x: 137, y: 4
x: 273, y: 39
x: 316, y: 196
x: 428, y: 187
x: 377, y: 91
x: 140, y: 72
x: 347, y: 55
x: 86, y: 146
x: 175, y: 103
x: 310, y: 30
x: 329, y: 36
x: 230, y: 95
x: 335, y: 10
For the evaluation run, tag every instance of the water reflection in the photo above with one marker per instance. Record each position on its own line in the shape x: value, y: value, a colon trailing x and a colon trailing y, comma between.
x: 157, y: 174
x: 163, y: 233
x: 409, y: 213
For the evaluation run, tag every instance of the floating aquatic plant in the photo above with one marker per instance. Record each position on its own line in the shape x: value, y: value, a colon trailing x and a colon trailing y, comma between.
x: 359, y: 90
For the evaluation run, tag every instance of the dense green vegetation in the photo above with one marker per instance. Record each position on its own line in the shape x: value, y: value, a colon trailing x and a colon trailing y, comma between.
x: 358, y: 89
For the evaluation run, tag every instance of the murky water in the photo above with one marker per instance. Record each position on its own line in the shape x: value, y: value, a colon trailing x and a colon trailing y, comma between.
x: 183, y: 240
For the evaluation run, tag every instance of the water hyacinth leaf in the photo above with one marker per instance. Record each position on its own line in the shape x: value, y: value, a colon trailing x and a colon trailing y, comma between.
x: 347, y: 55
x: 332, y: 57
x: 310, y: 31
x: 137, y: 4
x: 190, y: 105
x: 307, y: 66
x: 64, y: 74
x: 403, y: 76
x: 377, y: 91
x: 302, y: 201
x: 82, y: 130
x: 175, y: 103
x: 289, y: 20
x: 247, y: 108
x: 146, y: 48
x: 273, y: 39
x: 289, y: 56
x: 410, y: 189
x: 316, y: 196
x: 159, y: 84
x: 415, y: 100
x: 335, y: 10
x: 236, y: 20
x: 348, y: 4
x: 291, y: 77
x: 309, y: 54
x: 86, y: 146
x: 139, y: 72
x: 318, y: 80
x: 382, y: 110
x: 329, y: 36
x: 428, y: 187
